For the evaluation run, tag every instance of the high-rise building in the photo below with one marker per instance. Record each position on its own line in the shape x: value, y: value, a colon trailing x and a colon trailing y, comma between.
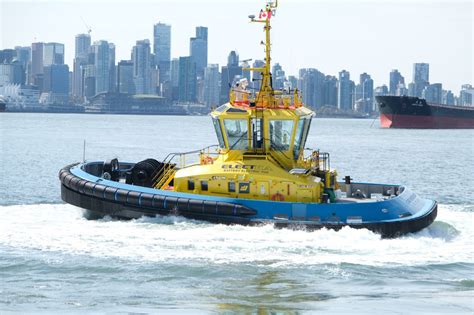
x: 211, y: 85
x: 466, y: 95
x: 11, y: 73
x: 367, y: 92
x: 142, y: 70
x: 345, y: 91
x: 257, y: 76
x: 330, y: 91
x: 125, y: 83
x: 104, y: 66
x: 82, y: 50
x: 56, y: 83
x: 53, y: 54
x: 36, y: 62
x: 175, y: 79
x: 433, y: 93
x: 396, y: 79
x: 229, y: 74
x: 187, y: 79
x: 312, y: 85
x: 278, y: 76
x: 421, y: 77
x: 448, y: 98
x: 162, y: 49
x: 198, y: 49
x: 7, y: 55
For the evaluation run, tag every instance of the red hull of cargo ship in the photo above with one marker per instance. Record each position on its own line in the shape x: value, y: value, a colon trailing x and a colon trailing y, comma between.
x: 424, y: 122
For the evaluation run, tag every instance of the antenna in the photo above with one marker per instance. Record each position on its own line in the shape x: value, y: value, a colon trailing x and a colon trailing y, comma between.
x: 84, y: 152
x: 89, y: 29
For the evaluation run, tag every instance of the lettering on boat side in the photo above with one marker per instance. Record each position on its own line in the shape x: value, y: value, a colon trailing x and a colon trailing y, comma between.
x: 237, y: 168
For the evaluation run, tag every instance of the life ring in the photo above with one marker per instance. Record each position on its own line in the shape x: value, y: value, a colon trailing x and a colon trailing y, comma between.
x: 207, y: 160
x: 278, y: 197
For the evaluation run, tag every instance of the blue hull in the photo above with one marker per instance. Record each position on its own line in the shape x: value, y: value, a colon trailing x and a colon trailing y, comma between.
x: 400, y: 214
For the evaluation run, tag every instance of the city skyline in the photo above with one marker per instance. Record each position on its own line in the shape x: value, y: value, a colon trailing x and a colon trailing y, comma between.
x: 245, y: 37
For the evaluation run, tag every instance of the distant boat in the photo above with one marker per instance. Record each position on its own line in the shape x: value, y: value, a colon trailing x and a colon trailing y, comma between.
x: 417, y: 113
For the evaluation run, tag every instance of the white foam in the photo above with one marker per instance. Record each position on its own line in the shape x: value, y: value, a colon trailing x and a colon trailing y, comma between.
x: 62, y: 228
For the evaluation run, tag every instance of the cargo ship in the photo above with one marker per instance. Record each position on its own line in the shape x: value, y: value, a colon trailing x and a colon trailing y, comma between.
x: 417, y: 113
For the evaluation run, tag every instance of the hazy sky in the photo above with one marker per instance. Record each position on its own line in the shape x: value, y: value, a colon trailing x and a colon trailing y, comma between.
x: 330, y: 35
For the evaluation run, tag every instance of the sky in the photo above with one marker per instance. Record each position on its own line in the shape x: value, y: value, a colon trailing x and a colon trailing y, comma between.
x: 373, y: 36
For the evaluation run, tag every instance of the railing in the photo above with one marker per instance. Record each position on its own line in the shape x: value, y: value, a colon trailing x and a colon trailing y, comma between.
x: 180, y: 160
x: 317, y: 160
x: 278, y: 99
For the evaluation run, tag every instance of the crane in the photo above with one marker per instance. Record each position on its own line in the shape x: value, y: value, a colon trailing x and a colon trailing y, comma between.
x: 89, y: 29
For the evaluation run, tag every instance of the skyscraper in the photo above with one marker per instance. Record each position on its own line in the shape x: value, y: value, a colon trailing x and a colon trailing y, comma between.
x: 56, y: 82
x: 367, y: 92
x: 125, y: 82
x: 198, y: 49
x: 104, y: 66
x: 142, y: 70
x: 36, y: 62
x: 187, y: 79
x: 82, y: 49
x: 312, y: 87
x: 53, y: 54
x: 211, y: 85
x: 396, y: 79
x: 257, y: 76
x: 175, y: 79
x: 23, y: 56
x: 421, y: 77
x: 466, y: 95
x: 344, y: 91
x: 433, y: 93
x: 162, y: 49
x: 228, y: 75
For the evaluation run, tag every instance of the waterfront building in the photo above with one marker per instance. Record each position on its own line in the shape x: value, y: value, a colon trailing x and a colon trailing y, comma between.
x: 256, y: 75
x: 396, y: 79
x: 125, y: 83
x: 36, y: 63
x: 367, y: 92
x: 162, y: 49
x: 421, y: 78
x: 142, y: 70
x: 187, y: 84
x: 53, y: 54
x: 104, y: 66
x: 82, y: 50
x: 312, y: 85
x: 345, y: 91
x: 229, y: 74
x: 11, y: 73
x: 56, y: 83
x: 433, y: 93
x: 211, y: 89
x: 330, y: 91
x: 198, y: 49
x: 23, y: 56
x: 466, y: 95
x: 448, y: 98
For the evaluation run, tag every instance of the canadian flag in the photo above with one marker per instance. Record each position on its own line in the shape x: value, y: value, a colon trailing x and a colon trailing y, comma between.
x: 265, y: 14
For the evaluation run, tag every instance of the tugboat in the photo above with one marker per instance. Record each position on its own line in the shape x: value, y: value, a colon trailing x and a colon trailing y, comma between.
x: 257, y: 174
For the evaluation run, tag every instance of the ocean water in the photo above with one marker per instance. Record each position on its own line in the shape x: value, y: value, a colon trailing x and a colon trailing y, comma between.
x: 52, y: 260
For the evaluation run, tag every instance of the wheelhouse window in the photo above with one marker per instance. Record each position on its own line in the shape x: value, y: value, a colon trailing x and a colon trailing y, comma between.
x: 280, y: 134
x: 220, y: 137
x: 237, y: 133
x: 301, y: 135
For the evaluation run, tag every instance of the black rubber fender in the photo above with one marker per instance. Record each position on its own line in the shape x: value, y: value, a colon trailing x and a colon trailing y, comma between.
x: 225, y: 208
x: 210, y: 207
x: 121, y: 195
x: 73, y: 183
x: 170, y: 203
x: 146, y: 200
x: 183, y: 204
x: 195, y: 206
x: 133, y: 198
x: 80, y: 185
x: 88, y: 188
x: 158, y: 202
x: 109, y: 193
x: 99, y: 190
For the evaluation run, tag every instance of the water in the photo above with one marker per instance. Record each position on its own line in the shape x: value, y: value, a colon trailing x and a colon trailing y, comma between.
x: 52, y: 260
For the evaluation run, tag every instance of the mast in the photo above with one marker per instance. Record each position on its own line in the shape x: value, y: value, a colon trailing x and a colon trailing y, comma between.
x: 266, y: 90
